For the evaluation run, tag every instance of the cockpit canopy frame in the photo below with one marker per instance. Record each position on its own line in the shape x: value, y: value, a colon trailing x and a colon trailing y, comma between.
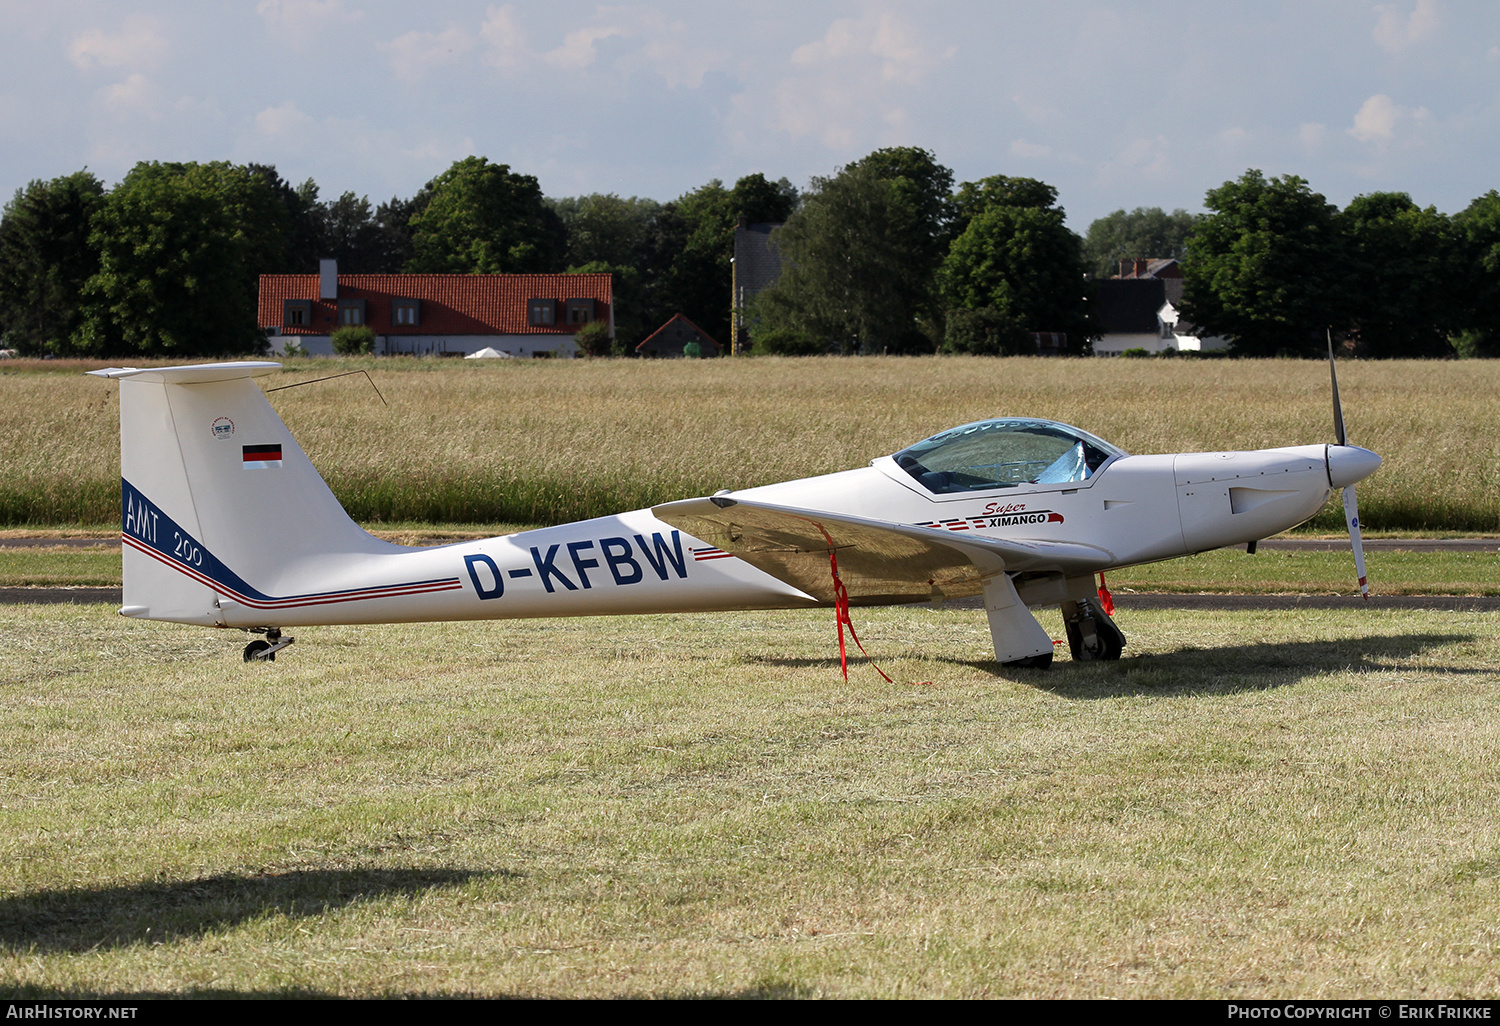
x: 1005, y: 452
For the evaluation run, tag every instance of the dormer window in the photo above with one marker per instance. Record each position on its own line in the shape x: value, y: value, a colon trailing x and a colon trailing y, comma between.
x: 351, y: 312
x: 541, y: 313
x: 296, y: 313
x: 406, y: 312
x: 580, y: 311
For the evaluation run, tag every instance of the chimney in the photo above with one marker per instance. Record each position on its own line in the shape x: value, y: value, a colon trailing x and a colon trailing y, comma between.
x: 328, y: 279
x: 1140, y: 268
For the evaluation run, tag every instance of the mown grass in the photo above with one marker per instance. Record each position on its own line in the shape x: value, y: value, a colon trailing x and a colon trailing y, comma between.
x: 539, y: 442
x: 1256, y: 805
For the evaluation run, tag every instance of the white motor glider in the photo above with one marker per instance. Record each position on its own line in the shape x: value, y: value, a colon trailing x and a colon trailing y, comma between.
x: 227, y: 524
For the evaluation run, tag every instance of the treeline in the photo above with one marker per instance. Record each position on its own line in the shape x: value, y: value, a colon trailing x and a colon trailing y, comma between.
x: 885, y: 256
x: 167, y: 262
x: 1274, y: 267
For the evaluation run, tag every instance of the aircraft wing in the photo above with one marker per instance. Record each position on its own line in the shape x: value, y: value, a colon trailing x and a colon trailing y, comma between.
x: 880, y: 562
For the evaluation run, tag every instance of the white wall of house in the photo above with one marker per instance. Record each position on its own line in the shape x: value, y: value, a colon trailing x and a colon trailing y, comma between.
x: 557, y: 346
x: 1114, y: 345
x: 1168, y: 317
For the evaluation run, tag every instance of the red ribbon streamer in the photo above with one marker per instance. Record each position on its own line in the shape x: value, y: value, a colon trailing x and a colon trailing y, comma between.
x: 1105, y: 598
x: 841, y: 614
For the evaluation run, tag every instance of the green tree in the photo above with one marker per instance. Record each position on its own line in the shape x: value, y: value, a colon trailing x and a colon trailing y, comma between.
x: 45, y: 260
x: 482, y: 218
x: 1266, y: 268
x: 986, y: 332
x: 1477, y: 233
x: 607, y: 233
x: 974, y: 198
x: 181, y: 248
x: 1143, y: 233
x: 351, y: 235
x: 1405, y: 275
x: 926, y: 188
x: 303, y: 244
x: 846, y: 278
x: 690, y: 244
x: 392, y: 247
x: 1023, y: 263
x: 603, y: 228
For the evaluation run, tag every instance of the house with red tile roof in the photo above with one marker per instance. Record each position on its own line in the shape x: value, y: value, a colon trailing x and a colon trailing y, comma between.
x: 435, y: 314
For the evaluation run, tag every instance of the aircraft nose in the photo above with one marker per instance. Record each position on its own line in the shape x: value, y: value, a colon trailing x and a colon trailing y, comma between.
x: 1349, y: 463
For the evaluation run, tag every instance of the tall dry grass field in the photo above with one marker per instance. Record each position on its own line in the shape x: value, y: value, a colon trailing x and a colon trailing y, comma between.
x: 529, y: 442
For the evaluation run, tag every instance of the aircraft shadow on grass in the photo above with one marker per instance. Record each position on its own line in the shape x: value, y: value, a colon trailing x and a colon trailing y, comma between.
x: 148, y: 913
x: 1218, y: 670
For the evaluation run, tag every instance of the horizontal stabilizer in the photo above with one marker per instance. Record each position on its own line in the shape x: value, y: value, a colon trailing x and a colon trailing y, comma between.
x: 196, y: 374
x: 880, y: 562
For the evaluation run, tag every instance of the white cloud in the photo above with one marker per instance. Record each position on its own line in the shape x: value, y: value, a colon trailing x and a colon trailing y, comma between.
x: 578, y: 50
x: 672, y: 51
x: 1037, y: 109
x: 1312, y: 134
x: 414, y: 54
x: 505, y: 43
x: 825, y: 110
x: 1142, y: 159
x: 1379, y: 119
x: 139, y: 43
x: 647, y: 40
x: 305, y: 22
x: 1234, y: 138
x: 134, y: 95
x: 282, y: 120
x: 1394, y: 33
x: 902, y: 58
x: 855, y: 83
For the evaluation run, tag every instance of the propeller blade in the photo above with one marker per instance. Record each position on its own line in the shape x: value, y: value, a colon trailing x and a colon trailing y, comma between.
x: 1338, y: 407
x: 1351, y: 517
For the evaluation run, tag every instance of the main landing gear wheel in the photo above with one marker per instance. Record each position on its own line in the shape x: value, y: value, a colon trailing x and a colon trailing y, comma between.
x: 1091, y: 633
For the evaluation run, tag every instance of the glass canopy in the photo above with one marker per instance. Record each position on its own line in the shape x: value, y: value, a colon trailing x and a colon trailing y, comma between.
x: 1004, y: 453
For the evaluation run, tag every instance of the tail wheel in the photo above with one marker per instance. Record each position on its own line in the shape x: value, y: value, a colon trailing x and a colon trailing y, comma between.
x: 259, y: 651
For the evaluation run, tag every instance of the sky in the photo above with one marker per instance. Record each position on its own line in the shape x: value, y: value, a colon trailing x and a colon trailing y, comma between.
x: 1117, y: 105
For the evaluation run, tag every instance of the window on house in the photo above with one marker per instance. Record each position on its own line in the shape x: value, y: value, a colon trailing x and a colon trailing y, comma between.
x: 580, y: 311
x: 351, y: 311
x: 405, y: 311
x: 541, y: 312
x: 296, y: 313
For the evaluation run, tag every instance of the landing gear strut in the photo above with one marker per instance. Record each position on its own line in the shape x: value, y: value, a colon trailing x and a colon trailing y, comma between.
x: 1091, y: 633
x: 265, y: 651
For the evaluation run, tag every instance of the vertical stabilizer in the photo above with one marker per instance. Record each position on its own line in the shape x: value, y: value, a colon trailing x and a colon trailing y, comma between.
x: 216, y: 496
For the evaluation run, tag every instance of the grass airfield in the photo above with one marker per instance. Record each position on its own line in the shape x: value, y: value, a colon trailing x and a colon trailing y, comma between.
x: 1249, y: 804
x: 1278, y: 804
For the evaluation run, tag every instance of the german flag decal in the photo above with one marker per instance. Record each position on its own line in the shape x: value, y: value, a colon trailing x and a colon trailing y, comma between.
x: 262, y: 457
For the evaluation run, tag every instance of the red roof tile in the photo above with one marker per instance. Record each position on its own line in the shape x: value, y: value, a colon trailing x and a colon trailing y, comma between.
x: 451, y: 304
